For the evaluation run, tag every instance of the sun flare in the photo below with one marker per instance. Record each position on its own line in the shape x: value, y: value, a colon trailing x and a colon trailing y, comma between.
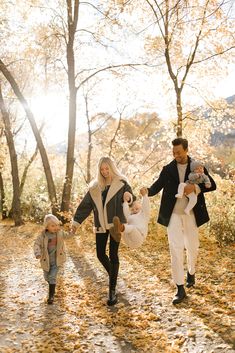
x: 52, y: 110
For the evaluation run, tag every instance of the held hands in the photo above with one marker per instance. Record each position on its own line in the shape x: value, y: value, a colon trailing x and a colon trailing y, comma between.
x: 143, y: 191
x: 73, y: 229
x: 38, y: 257
x: 127, y: 196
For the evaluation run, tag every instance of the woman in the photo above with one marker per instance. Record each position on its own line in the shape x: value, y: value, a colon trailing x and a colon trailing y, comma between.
x: 105, y: 197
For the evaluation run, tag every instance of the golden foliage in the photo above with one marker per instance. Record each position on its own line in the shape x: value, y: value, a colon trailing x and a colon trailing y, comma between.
x: 144, y: 319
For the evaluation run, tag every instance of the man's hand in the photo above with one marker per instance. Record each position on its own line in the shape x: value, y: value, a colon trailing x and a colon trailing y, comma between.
x: 189, y: 188
x: 38, y: 257
x: 143, y: 191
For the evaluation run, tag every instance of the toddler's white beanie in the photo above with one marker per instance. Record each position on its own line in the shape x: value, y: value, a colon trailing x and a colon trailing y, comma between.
x: 50, y: 218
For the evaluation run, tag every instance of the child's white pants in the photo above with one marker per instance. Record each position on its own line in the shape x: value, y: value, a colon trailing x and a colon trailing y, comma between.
x: 132, y: 237
x: 182, y: 234
x: 192, y: 197
x: 192, y: 200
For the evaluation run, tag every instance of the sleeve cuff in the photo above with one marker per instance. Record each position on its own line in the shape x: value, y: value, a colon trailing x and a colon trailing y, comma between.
x: 197, y: 189
x: 75, y: 224
x: 131, y: 199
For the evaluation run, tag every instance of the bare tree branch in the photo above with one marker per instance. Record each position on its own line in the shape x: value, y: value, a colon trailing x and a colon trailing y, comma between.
x: 116, y: 131
x: 106, y: 69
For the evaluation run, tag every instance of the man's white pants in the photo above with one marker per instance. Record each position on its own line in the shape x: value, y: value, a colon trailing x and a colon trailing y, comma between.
x: 182, y: 234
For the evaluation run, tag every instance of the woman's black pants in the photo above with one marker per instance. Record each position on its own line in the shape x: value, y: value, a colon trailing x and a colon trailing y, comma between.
x: 111, y: 262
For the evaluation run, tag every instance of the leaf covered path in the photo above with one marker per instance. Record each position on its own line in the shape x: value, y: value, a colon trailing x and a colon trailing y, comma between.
x: 143, y: 321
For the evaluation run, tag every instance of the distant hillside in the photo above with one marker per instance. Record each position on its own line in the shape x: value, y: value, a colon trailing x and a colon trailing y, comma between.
x: 219, y: 138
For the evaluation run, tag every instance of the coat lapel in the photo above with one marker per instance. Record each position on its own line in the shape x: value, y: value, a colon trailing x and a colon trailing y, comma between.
x: 45, y: 239
x: 174, y: 171
x: 95, y: 193
x: 187, y: 169
x: 115, y: 186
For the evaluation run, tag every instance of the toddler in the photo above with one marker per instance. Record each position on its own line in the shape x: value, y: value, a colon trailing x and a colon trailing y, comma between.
x: 135, y: 230
x: 197, y: 176
x: 49, y: 248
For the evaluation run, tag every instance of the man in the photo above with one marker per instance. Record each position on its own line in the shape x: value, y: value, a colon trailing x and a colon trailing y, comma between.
x: 182, y: 229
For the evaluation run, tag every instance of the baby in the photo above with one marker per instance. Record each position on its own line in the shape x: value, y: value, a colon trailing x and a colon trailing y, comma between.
x: 197, y: 176
x: 135, y: 230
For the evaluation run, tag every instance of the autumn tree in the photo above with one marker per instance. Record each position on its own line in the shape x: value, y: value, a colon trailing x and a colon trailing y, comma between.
x: 194, y: 38
x: 3, y: 208
x: 21, y: 77
x: 76, y: 57
x: 16, y: 209
x: 191, y: 34
x: 135, y: 141
x: 41, y: 147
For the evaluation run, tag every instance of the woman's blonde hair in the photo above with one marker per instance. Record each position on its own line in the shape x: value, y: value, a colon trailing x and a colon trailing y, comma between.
x: 115, y: 173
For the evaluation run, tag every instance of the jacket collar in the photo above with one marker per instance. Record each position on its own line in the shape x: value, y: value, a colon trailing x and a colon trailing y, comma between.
x: 174, y: 170
x: 115, y: 186
x: 59, y: 235
x: 95, y: 193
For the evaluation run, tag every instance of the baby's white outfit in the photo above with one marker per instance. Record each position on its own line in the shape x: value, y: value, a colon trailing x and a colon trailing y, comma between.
x: 136, y: 228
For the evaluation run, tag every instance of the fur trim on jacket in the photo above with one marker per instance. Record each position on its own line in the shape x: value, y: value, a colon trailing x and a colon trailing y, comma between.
x: 103, y: 215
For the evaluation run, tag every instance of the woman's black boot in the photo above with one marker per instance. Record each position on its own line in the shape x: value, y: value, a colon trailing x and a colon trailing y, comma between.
x: 112, y: 297
x: 112, y: 300
x: 51, y: 293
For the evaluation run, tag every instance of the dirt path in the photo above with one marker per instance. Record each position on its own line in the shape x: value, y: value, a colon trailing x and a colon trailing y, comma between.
x: 143, y: 321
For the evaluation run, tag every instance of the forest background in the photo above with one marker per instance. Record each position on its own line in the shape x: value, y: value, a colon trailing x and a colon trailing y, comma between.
x: 79, y: 80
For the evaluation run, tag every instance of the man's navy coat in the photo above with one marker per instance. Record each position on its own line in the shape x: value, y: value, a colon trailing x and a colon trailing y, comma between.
x: 169, y: 181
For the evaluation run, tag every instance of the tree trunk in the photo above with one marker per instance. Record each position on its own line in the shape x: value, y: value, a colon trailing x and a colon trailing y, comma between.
x: 24, y: 175
x: 88, y: 177
x: 71, y: 134
x: 3, y: 207
x: 72, y: 18
x: 179, y: 129
x: 16, y: 209
x: 30, y: 116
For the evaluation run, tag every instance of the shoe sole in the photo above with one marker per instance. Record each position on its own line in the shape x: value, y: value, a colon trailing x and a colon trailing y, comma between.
x: 116, y: 227
x: 114, y: 235
x: 180, y: 301
x: 111, y: 303
x: 189, y: 285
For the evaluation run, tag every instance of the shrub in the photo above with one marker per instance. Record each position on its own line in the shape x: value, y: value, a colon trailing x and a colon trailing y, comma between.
x: 221, y: 206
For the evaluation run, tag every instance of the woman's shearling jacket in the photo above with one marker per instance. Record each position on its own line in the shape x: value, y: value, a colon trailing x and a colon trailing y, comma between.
x: 40, y: 248
x: 103, y: 215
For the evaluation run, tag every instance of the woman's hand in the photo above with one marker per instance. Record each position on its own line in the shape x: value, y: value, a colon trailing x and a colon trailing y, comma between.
x: 127, y: 196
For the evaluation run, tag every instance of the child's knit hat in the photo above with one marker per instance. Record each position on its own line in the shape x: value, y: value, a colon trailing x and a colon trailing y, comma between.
x: 194, y: 165
x: 50, y: 218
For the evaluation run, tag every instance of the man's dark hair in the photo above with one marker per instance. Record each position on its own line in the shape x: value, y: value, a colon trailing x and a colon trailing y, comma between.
x: 180, y: 141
